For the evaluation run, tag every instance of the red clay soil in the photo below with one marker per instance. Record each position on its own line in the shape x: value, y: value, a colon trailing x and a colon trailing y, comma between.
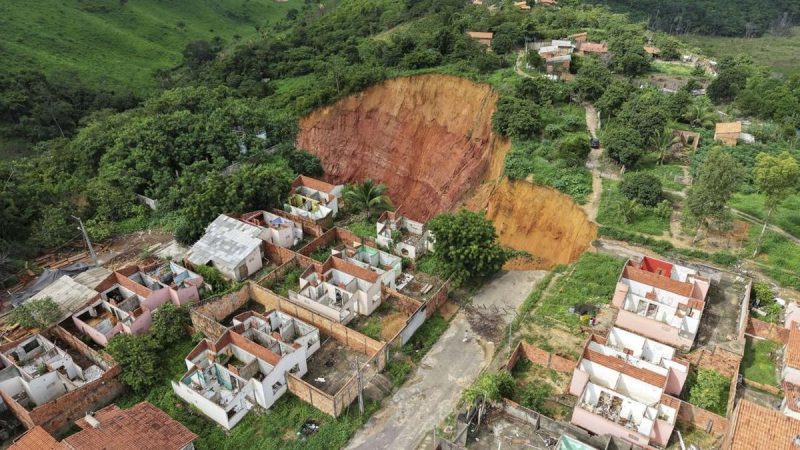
x: 428, y: 138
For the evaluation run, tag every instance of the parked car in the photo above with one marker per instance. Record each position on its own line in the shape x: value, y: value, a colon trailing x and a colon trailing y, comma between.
x: 595, y: 143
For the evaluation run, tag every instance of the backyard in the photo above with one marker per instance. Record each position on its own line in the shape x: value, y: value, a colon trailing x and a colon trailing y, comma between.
x: 758, y: 363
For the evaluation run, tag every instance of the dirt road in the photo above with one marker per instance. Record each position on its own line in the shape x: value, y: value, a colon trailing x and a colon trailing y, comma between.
x: 451, y: 365
x: 593, y: 163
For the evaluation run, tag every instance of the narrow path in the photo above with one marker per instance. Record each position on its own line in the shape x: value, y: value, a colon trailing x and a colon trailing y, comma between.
x: 518, y: 65
x: 593, y: 163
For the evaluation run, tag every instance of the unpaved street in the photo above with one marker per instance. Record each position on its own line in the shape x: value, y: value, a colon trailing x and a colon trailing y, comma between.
x: 452, y: 364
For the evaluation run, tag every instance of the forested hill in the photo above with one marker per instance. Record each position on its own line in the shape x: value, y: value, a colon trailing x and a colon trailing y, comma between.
x: 741, y: 18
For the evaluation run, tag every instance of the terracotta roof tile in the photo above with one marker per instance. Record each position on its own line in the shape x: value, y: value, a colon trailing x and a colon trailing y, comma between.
x: 792, y: 394
x: 792, y: 355
x: 140, y: 427
x: 480, y: 34
x: 312, y: 183
x: 759, y: 427
x: 621, y: 366
x: 36, y: 439
x: 658, y: 281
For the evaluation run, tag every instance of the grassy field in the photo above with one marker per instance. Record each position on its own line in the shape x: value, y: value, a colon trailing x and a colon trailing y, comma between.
x: 591, y: 280
x: 120, y: 43
x: 780, y: 256
x: 757, y: 365
x: 782, y: 54
x: 787, y: 216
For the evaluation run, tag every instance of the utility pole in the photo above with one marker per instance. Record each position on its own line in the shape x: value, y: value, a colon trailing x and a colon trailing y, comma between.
x: 360, y: 381
x: 86, y: 238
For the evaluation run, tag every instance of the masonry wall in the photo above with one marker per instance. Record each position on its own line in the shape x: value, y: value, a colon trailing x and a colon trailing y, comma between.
x: 541, y: 357
x: 207, y: 315
x: 103, y: 360
x: 770, y: 331
x: 408, y: 305
x: 702, y: 419
x: 725, y: 362
x: 310, y: 227
x: 310, y: 394
x: 437, y: 299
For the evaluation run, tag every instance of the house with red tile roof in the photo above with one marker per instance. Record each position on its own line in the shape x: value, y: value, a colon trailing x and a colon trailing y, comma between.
x: 483, y: 37
x: 140, y: 427
x: 338, y: 290
x: 625, y: 385
x: 313, y: 199
x: 661, y: 301
x: 246, y: 366
x: 754, y: 427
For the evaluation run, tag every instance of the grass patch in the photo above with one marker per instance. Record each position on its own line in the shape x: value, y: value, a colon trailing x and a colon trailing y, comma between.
x: 363, y: 229
x: 398, y: 371
x: 672, y: 69
x: 665, y: 173
x: 590, y: 280
x: 780, y: 258
x: 781, y: 54
x: 758, y: 362
x: 648, y: 222
x: 120, y: 44
x: 787, y: 216
x: 290, y: 281
x: 425, y: 336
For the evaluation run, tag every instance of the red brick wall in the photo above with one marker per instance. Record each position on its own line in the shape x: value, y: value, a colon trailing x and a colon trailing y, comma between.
x: 723, y: 361
x: 770, y: 331
x: 437, y: 299
x: 326, y: 239
x: 541, y: 357
x: 310, y: 227
x: 102, y: 359
x: 206, y: 316
x: 702, y: 419
x: 408, y: 305
x: 310, y: 394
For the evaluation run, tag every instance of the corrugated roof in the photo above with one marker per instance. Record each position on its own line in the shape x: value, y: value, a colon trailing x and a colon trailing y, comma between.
x: 92, y: 277
x: 140, y: 427
x: 67, y: 293
x: 227, y: 243
x: 759, y: 427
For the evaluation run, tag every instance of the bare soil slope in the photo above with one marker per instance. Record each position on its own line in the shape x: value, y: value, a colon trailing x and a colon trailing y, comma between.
x: 429, y: 139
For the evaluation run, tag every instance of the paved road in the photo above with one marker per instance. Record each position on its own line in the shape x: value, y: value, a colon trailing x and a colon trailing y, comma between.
x: 451, y: 365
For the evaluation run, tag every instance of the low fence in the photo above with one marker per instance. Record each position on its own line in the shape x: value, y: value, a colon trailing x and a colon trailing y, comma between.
x: 764, y: 330
x: 541, y: 357
x: 705, y: 420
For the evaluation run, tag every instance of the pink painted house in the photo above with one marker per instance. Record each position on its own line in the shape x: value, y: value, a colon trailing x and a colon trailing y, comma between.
x: 129, y: 297
x: 625, y: 385
x: 661, y: 301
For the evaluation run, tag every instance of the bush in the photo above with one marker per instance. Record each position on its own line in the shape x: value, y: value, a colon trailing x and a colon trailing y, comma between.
x: 709, y: 390
x: 534, y: 396
x: 643, y: 188
x: 36, y: 313
x: 623, y: 144
x: 169, y: 324
x: 763, y: 294
x: 491, y: 387
x: 516, y: 118
x: 213, y: 277
x: 573, y: 150
x: 137, y: 357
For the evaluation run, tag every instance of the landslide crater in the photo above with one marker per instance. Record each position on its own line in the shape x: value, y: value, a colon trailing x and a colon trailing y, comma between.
x: 429, y: 139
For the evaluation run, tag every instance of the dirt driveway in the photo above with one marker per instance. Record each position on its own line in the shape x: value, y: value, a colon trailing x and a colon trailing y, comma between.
x: 451, y: 365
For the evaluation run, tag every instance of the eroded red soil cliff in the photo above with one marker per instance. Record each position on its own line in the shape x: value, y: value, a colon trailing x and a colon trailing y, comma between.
x: 429, y: 139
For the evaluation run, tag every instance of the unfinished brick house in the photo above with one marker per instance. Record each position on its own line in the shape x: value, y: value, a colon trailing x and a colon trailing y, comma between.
x: 140, y: 427
x: 277, y: 230
x: 387, y: 266
x: 625, y: 385
x: 51, y: 379
x: 406, y: 237
x: 313, y: 199
x: 754, y: 427
x: 661, y: 301
x: 231, y: 246
x: 129, y: 298
x: 584, y: 48
x: 338, y: 290
x: 247, y: 365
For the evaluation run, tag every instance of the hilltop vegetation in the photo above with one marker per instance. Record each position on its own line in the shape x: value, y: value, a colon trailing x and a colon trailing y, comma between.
x: 119, y: 44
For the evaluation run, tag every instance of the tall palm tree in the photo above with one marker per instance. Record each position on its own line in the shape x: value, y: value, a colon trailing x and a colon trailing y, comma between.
x: 662, y: 142
x: 368, y: 196
x: 700, y: 114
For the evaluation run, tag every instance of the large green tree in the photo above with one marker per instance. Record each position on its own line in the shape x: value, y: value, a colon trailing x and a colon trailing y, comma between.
x: 466, y: 244
x: 706, y: 201
x: 776, y: 177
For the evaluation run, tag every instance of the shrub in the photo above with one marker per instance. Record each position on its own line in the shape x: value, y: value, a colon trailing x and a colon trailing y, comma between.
x: 763, y: 294
x: 573, y: 150
x: 137, y: 357
x: 169, y: 324
x: 490, y: 387
x: 36, y: 313
x: 534, y: 396
x: 643, y: 188
x: 709, y: 390
x: 213, y: 277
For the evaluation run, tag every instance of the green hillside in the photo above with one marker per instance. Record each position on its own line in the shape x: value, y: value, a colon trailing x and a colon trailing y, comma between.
x: 113, y: 43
